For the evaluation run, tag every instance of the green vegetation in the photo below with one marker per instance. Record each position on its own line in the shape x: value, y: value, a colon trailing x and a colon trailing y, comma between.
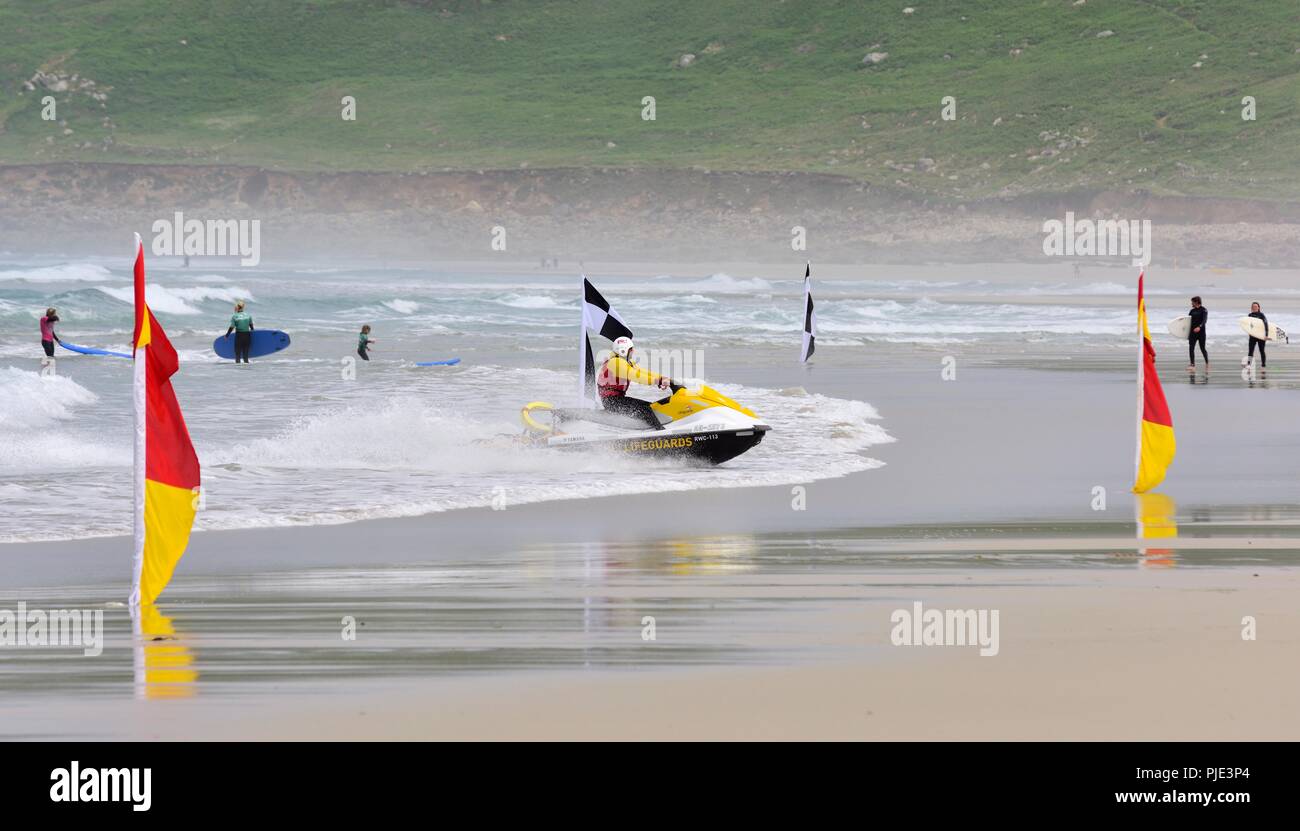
x: 774, y: 86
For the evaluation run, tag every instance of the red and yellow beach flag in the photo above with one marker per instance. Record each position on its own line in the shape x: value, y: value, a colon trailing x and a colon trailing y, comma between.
x: 1155, y: 433
x: 166, y: 467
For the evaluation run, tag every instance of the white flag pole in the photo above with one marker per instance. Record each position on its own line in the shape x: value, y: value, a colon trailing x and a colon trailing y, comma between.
x: 1141, y: 375
x: 138, y: 393
x: 582, y: 341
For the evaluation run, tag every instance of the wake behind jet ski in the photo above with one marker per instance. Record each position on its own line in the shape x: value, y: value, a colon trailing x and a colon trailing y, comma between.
x: 702, y: 426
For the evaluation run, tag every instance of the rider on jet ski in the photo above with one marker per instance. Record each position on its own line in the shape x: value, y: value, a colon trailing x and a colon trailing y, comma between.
x: 614, y: 377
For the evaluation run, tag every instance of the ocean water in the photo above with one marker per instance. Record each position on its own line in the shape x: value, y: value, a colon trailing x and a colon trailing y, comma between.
x: 294, y: 440
x: 307, y: 436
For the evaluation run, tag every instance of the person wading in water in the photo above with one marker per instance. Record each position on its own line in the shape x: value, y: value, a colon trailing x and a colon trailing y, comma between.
x: 241, y: 323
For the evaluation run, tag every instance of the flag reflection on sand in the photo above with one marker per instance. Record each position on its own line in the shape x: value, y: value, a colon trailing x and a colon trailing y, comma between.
x: 1156, y: 520
x: 164, y: 665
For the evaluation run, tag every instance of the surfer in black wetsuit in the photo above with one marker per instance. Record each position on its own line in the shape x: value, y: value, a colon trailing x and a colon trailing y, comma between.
x: 1250, y: 350
x: 1199, y: 315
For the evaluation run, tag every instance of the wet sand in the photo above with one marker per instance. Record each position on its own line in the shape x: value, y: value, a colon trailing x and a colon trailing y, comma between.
x: 1120, y: 655
x: 745, y: 648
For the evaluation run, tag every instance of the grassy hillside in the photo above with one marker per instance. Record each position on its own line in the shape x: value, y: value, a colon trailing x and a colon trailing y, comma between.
x: 1043, y: 102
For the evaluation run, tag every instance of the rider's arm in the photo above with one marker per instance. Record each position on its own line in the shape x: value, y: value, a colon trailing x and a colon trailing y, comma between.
x: 641, y: 376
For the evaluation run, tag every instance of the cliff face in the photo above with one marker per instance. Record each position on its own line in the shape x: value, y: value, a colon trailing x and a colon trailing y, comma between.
x: 603, y: 214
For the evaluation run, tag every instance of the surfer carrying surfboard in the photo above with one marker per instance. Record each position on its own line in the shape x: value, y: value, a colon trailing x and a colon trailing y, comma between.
x: 47, y: 331
x: 1250, y: 349
x: 1199, y: 315
x: 241, y: 323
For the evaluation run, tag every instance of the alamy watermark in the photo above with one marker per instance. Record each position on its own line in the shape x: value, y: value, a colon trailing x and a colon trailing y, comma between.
x: 1098, y: 238
x: 77, y: 784
x: 181, y: 237
x: 83, y: 628
x: 919, y: 626
x: 672, y: 363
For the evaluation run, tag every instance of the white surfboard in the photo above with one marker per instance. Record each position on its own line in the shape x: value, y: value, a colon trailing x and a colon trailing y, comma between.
x: 1254, y: 327
x: 1181, y: 327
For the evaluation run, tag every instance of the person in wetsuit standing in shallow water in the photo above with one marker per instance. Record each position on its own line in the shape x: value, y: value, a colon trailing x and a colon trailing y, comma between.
x: 48, y: 337
x: 1199, y: 315
x: 1250, y: 347
x: 241, y: 323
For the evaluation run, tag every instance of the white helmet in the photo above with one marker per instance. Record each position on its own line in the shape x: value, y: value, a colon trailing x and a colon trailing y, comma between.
x: 624, y: 348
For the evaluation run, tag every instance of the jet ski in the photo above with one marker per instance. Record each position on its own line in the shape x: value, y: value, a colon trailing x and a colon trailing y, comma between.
x: 700, y: 426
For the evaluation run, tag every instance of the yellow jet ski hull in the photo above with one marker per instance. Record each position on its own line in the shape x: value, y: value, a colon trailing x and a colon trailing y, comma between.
x: 700, y: 427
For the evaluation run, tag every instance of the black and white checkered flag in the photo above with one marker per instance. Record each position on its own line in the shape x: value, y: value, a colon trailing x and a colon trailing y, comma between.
x: 598, y: 316
x: 809, y: 318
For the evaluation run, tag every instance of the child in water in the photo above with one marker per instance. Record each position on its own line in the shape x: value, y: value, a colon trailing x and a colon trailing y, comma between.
x: 363, y: 343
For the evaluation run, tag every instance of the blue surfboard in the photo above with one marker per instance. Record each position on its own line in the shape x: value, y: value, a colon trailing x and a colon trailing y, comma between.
x: 90, y: 350
x: 448, y: 362
x: 265, y: 342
